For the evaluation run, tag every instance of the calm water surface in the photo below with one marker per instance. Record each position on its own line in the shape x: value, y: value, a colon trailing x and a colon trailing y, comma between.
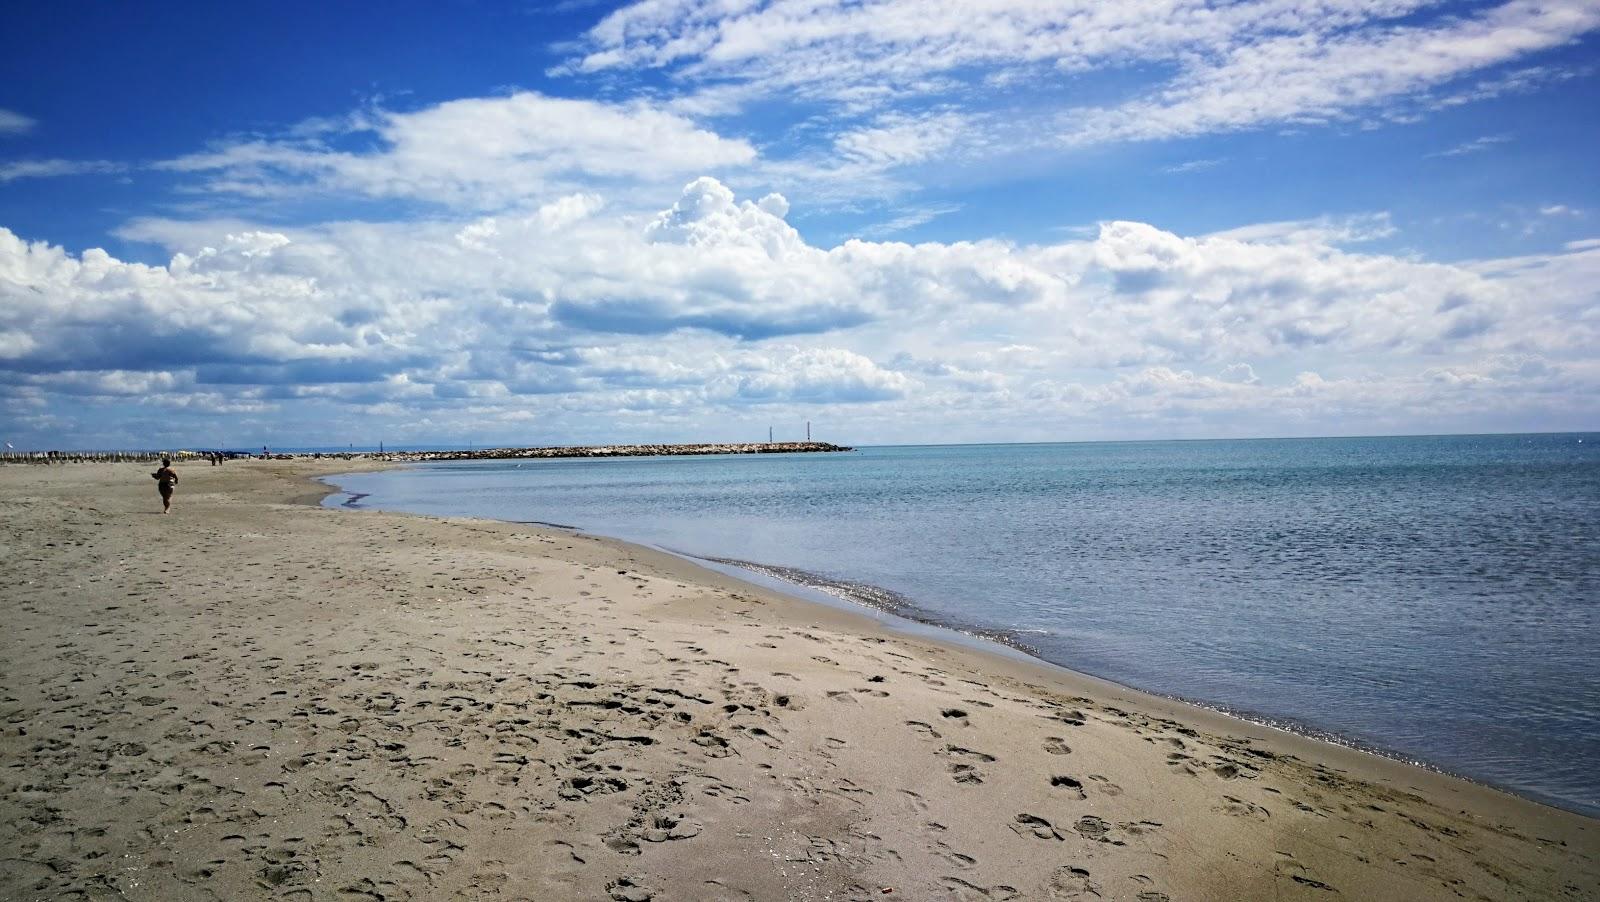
x: 1435, y: 597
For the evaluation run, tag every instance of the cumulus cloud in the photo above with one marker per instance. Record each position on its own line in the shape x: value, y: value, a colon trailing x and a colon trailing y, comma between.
x: 1241, y: 373
x: 572, y: 313
x: 479, y: 152
x: 241, y: 304
x: 707, y: 216
x: 1246, y: 297
x: 817, y: 375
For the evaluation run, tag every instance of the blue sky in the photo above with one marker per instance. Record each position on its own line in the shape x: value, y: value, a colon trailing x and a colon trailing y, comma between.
x: 692, y: 219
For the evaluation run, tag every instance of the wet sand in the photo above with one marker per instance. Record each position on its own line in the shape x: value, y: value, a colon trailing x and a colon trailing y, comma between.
x: 256, y: 698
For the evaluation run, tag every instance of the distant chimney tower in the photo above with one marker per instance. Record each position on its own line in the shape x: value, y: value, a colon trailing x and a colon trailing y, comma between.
x: 808, y: 430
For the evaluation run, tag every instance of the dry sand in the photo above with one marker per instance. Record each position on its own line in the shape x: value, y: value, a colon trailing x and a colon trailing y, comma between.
x: 256, y: 698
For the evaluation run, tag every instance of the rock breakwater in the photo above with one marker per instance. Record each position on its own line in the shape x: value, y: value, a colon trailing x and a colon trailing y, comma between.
x: 620, y: 451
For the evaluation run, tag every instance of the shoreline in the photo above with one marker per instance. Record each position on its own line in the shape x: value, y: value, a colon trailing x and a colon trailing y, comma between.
x: 257, y: 698
x: 995, y: 647
x: 899, y: 615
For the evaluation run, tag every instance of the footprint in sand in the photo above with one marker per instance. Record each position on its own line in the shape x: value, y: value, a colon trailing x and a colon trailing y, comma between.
x: 664, y: 827
x: 1139, y: 828
x: 1240, y: 808
x: 715, y: 746
x: 1106, y: 786
x: 1091, y: 827
x: 1072, y: 882
x: 1230, y: 770
x: 1033, y: 825
x: 971, y: 892
x: 629, y: 889
x: 722, y: 892
x: 954, y: 857
x: 1069, y: 784
x: 1286, y: 866
x: 1055, y: 745
x: 916, y: 800
x: 964, y: 767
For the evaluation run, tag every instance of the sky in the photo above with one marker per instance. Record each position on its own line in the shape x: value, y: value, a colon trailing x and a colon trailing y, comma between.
x: 902, y: 221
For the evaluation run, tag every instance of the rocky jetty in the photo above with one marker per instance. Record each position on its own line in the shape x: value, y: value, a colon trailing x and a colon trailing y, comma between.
x: 620, y: 451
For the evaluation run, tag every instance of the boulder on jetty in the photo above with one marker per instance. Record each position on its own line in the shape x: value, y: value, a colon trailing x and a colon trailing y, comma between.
x: 621, y: 451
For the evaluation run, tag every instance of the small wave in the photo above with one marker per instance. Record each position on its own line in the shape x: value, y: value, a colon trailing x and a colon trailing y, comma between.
x: 862, y: 593
x: 1301, y: 728
x: 878, y: 598
x: 548, y: 523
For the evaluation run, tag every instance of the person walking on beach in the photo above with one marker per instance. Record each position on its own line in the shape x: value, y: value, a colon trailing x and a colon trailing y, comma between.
x: 166, y: 482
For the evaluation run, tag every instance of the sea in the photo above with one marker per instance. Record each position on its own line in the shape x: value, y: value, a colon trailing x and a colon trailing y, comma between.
x: 1433, y: 598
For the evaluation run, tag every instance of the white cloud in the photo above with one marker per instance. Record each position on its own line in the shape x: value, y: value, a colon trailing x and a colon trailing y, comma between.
x: 1240, y: 373
x: 829, y: 46
x: 574, y: 313
x: 482, y: 152
x: 1331, y: 230
x: 1197, y: 298
x: 1476, y: 145
x: 1191, y: 166
x: 1318, y: 75
x: 707, y: 216
x: 899, y: 138
x: 817, y: 375
x: 893, y: 88
x: 1522, y: 80
x: 34, y: 169
x: 1235, y: 66
x: 16, y: 344
x: 1164, y: 401
x: 910, y: 218
x: 14, y: 123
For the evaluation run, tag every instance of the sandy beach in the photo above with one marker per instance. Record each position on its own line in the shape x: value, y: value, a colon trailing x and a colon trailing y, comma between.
x: 258, y: 698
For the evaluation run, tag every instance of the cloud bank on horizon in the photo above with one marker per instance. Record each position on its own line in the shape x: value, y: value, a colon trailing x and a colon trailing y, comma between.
x: 696, y: 218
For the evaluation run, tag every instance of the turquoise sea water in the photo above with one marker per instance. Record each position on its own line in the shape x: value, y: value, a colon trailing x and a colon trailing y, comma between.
x: 1435, y: 597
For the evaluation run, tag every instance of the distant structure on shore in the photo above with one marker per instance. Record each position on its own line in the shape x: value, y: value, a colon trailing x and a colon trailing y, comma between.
x: 62, y: 457
x: 621, y: 451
